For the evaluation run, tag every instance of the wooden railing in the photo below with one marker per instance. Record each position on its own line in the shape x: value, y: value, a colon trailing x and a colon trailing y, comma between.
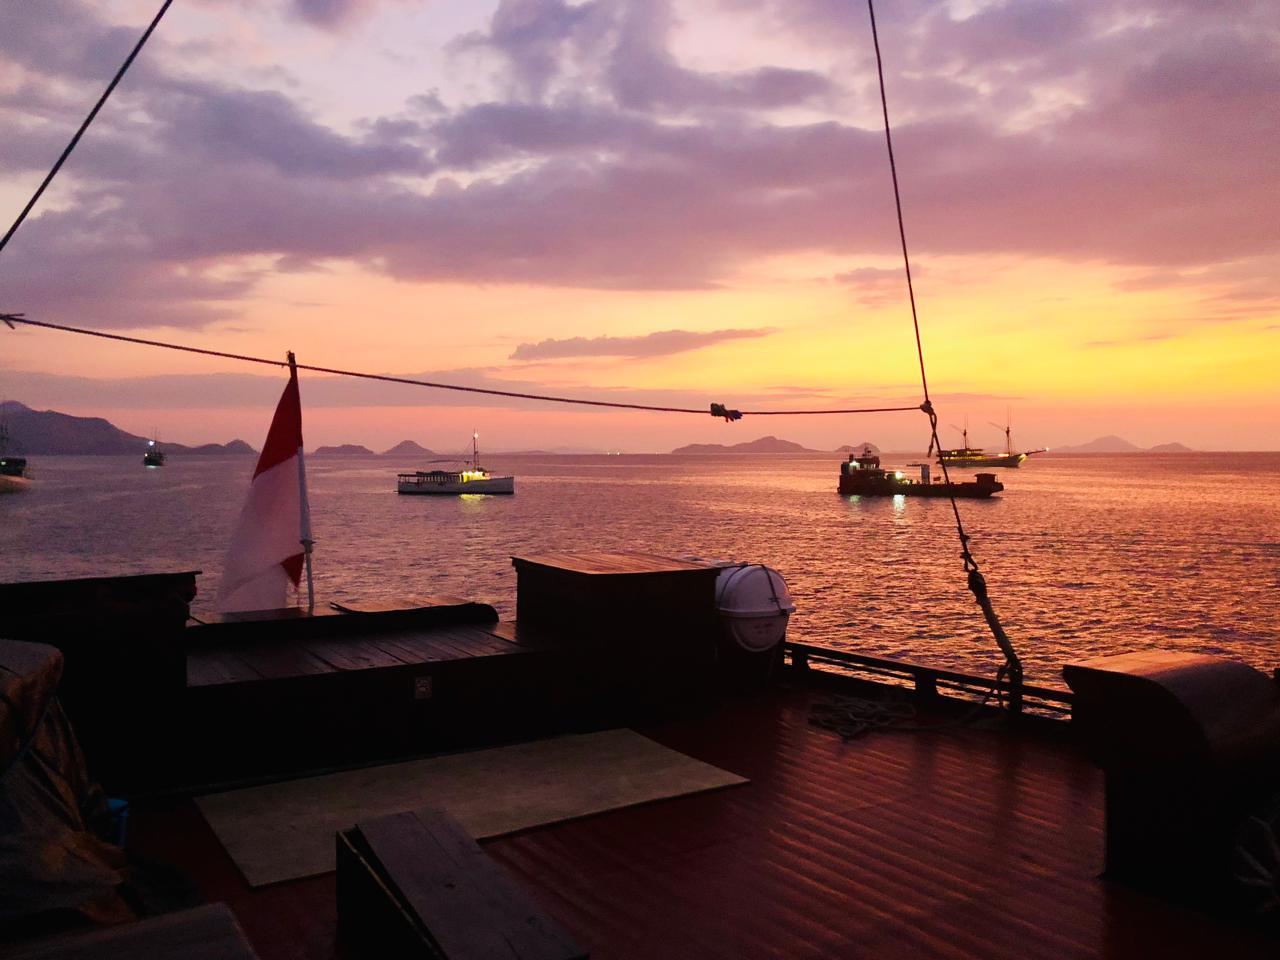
x: 927, y: 681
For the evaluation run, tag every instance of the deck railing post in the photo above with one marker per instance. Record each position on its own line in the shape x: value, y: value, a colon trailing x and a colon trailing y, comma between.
x: 1015, y: 688
x: 926, y: 684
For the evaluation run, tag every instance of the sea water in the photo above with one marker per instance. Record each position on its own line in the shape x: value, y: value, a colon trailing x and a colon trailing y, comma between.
x: 1084, y: 555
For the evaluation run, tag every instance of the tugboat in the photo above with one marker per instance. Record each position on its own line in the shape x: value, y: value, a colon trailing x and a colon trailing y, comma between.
x: 473, y: 478
x: 154, y: 457
x: 861, y: 475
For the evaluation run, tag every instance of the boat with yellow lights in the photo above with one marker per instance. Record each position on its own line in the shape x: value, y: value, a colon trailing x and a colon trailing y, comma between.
x: 154, y: 456
x: 969, y: 457
x: 863, y: 476
x: 471, y: 479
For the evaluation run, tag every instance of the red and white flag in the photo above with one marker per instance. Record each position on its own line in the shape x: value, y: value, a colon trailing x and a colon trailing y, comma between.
x: 273, y: 535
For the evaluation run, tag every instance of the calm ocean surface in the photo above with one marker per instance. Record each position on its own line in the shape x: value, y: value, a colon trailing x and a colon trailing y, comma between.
x: 1084, y: 555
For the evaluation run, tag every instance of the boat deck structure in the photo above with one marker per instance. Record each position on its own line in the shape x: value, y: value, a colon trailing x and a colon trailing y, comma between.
x: 963, y: 830
x: 960, y: 841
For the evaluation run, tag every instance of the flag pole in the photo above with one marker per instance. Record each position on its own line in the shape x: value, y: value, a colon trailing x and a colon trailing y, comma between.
x: 304, y: 517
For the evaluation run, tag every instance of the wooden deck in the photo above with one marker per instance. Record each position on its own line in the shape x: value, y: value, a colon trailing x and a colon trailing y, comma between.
x: 270, y: 660
x: 957, y: 842
x: 265, y: 698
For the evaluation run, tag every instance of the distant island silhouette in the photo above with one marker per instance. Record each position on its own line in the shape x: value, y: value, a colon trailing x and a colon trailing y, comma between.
x: 49, y: 433
x: 408, y: 448
x: 768, y: 444
x: 343, y: 450
x: 1114, y: 444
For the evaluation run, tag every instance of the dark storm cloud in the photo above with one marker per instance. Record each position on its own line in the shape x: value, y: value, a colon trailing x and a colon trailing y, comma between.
x: 662, y: 343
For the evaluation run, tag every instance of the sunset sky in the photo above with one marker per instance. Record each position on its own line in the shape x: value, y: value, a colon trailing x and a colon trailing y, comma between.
x: 670, y: 202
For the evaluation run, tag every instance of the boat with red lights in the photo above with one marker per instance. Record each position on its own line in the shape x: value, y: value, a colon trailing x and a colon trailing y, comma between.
x: 862, y: 475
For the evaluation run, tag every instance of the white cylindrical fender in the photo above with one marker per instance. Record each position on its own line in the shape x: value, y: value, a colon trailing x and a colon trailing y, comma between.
x: 754, y: 606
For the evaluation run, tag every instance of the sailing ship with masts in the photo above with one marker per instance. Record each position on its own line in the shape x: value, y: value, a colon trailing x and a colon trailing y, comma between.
x: 968, y: 456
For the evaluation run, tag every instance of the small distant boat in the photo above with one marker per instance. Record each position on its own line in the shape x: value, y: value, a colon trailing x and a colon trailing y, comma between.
x: 472, y: 479
x: 154, y: 457
x: 861, y: 475
x: 13, y: 474
x: 13, y: 470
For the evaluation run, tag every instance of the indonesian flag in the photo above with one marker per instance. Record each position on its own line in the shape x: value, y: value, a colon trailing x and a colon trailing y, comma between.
x: 273, y: 533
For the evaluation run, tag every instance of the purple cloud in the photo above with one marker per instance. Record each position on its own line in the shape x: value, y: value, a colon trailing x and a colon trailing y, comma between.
x: 531, y: 36
x: 330, y: 13
x: 660, y: 344
x: 615, y: 166
x: 643, y: 74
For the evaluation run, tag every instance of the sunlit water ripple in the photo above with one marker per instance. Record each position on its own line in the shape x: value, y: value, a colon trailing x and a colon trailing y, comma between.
x: 1085, y: 555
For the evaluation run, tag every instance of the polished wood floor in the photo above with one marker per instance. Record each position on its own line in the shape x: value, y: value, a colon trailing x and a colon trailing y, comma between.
x: 952, y: 842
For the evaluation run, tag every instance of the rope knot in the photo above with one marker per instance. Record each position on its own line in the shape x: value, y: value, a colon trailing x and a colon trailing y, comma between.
x: 977, y: 584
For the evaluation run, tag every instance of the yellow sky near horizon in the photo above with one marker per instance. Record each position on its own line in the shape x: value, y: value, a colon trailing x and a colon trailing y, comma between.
x: 1076, y: 337
x: 1027, y: 335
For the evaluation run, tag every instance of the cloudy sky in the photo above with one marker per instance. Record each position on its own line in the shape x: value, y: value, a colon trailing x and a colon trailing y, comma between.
x: 652, y: 200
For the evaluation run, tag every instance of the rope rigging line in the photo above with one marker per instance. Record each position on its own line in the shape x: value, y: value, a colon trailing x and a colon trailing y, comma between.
x: 715, y: 409
x: 976, y: 581
x: 53, y: 172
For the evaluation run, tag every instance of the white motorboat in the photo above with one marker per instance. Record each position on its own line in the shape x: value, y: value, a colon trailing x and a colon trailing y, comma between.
x: 471, y: 479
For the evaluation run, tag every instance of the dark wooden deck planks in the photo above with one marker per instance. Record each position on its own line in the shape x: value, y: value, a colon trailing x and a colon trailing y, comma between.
x: 285, y: 660
x: 352, y: 653
x: 209, y: 932
x: 211, y: 667
x: 959, y: 843
x: 951, y: 843
x: 610, y: 564
x: 249, y: 662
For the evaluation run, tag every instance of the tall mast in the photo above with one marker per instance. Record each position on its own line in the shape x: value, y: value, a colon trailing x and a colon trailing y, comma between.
x: 475, y: 449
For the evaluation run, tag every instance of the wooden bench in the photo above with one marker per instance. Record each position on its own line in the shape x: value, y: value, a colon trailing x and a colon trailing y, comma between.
x: 416, y: 884
x: 203, y: 933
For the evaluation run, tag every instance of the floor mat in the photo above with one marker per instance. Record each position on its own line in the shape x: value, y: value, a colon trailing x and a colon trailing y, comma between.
x: 286, y: 830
